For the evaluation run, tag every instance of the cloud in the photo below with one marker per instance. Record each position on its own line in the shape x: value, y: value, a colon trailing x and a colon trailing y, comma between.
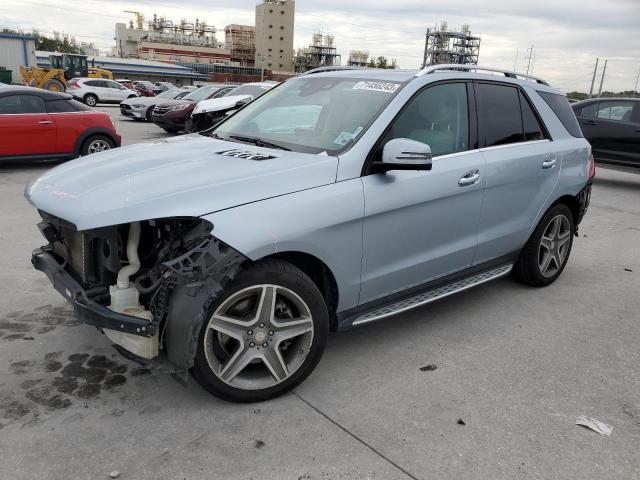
x: 567, y: 35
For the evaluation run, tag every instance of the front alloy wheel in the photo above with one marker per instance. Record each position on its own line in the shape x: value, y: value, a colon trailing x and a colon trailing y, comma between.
x: 264, y: 336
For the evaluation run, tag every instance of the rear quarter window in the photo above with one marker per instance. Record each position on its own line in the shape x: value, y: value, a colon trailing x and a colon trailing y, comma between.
x: 560, y: 106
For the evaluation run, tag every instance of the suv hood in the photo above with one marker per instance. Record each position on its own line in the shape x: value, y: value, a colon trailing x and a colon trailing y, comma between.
x: 191, y: 175
x: 218, y: 104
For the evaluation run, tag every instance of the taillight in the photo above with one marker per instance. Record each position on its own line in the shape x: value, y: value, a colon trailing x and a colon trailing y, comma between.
x: 73, y: 84
x: 592, y: 168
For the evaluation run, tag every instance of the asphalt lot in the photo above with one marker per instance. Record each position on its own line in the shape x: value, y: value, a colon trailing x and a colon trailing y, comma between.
x: 517, y: 365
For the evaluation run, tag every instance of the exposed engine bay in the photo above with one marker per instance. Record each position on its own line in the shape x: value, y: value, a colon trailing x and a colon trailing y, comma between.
x: 133, y: 269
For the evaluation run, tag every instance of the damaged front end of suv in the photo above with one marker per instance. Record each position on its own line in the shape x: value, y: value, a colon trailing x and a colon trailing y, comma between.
x: 144, y: 284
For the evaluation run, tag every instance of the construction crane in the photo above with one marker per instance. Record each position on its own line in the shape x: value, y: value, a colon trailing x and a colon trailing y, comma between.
x: 139, y: 18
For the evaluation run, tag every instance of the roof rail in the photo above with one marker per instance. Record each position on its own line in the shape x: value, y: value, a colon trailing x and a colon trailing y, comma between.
x: 335, y: 68
x: 478, y: 68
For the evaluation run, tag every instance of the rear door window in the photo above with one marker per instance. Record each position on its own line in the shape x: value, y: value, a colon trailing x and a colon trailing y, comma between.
x: 499, y: 116
x: 94, y: 83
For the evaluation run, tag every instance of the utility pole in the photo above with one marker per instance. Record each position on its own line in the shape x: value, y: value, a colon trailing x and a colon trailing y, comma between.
x: 602, y: 78
x: 532, y: 62
x: 635, y: 89
x: 593, y: 79
x: 530, y: 50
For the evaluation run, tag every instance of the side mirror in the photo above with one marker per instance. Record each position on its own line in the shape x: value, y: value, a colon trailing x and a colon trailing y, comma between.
x: 242, y: 103
x: 404, y: 154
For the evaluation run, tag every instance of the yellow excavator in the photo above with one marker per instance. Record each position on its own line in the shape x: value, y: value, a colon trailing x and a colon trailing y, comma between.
x: 64, y: 67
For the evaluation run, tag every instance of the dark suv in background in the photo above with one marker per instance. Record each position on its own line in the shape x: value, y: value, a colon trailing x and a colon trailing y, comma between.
x: 172, y: 115
x: 612, y: 126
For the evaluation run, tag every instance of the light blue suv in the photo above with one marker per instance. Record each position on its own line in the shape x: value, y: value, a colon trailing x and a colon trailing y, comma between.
x: 340, y: 197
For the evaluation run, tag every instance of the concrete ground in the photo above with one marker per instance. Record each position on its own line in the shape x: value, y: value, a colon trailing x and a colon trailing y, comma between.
x: 515, y: 367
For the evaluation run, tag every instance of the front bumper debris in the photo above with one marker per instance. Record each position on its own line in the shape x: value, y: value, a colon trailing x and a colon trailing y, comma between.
x: 87, y: 310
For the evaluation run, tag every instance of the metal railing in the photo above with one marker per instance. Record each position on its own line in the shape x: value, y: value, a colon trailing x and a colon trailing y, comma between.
x: 478, y: 68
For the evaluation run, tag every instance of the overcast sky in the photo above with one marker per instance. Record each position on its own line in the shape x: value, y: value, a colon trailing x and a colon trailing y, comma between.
x: 567, y: 35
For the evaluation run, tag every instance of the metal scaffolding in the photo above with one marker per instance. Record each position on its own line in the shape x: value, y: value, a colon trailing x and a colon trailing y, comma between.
x: 444, y: 46
x: 321, y: 53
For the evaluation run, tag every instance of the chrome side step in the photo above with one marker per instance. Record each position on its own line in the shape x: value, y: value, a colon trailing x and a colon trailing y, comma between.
x: 432, y: 295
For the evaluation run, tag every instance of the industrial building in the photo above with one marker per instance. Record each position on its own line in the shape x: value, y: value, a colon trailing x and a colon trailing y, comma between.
x: 444, y: 46
x: 241, y: 42
x: 167, y: 41
x: 274, y: 35
x: 321, y: 53
x: 16, y: 50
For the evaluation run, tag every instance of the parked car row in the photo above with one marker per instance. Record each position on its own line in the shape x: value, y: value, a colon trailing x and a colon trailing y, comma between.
x: 196, y: 110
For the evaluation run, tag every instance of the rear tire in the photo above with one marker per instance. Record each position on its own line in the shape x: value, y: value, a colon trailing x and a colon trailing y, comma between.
x: 171, y: 130
x: 54, y: 85
x: 96, y: 143
x: 148, y: 114
x: 545, y: 255
x: 263, y: 335
x: 90, y: 99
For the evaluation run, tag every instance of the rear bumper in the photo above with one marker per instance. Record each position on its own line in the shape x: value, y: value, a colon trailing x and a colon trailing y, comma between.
x: 86, y: 310
x: 583, y: 198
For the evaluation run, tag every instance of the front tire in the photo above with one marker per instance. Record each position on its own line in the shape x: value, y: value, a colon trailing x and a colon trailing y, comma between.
x: 263, y: 336
x: 545, y: 255
x: 54, y: 85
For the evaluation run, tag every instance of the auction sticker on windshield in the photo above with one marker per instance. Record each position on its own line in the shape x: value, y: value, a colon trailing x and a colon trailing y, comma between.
x: 388, y: 87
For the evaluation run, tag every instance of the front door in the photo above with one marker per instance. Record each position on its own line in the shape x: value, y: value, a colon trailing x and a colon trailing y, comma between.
x: 25, y: 127
x: 421, y: 225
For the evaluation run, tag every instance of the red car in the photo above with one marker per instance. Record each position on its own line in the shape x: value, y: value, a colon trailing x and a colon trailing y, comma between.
x: 37, y: 124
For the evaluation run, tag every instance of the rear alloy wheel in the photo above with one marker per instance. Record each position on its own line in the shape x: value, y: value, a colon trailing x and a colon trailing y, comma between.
x: 91, y: 100
x: 546, y: 253
x: 264, y: 336
x: 95, y: 144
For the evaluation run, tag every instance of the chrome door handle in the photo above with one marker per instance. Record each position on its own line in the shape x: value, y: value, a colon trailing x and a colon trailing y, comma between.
x: 549, y: 162
x: 45, y: 122
x: 469, y: 178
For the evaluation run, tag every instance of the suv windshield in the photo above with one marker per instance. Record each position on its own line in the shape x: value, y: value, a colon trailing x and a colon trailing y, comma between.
x: 201, y: 93
x: 310, y: 114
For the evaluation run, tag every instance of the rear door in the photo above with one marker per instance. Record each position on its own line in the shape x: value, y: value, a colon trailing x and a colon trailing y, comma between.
x: 421, y: 225
x: 522, y: 168
x: 25, y: 126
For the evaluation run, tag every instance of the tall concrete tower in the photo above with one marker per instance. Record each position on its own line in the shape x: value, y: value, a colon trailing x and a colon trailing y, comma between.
x: 274, y: 35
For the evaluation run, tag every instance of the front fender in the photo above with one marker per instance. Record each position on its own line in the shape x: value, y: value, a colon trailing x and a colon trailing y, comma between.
x: 325, y: 222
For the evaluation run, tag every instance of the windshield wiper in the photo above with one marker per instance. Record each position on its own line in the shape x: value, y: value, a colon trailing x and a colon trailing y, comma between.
x: 258, y: 142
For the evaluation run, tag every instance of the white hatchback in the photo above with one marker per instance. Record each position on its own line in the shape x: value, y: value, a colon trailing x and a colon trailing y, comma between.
x: 98, y: 90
